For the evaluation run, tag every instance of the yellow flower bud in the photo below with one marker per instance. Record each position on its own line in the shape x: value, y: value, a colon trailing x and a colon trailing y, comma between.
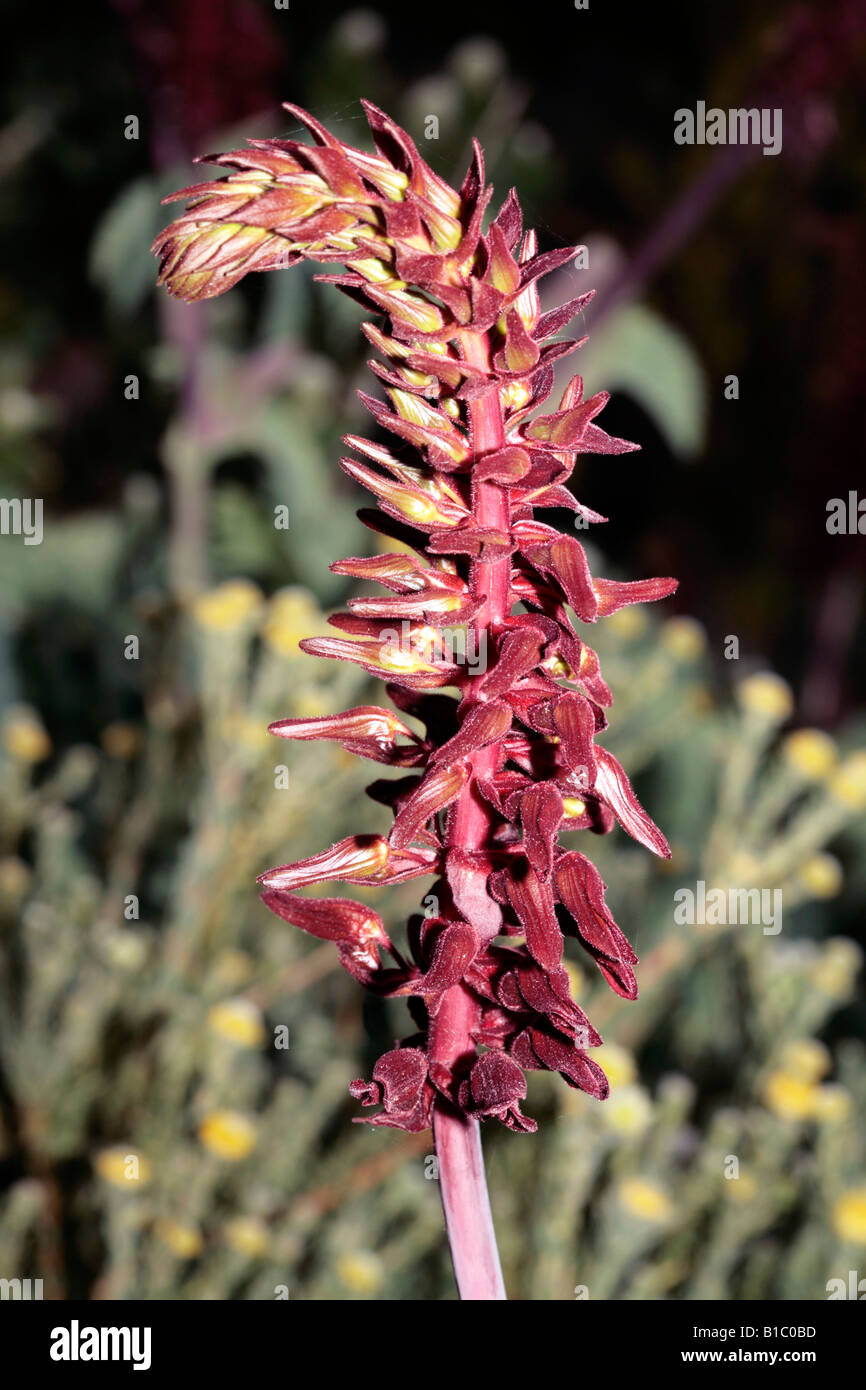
x: 183, y: 1241
x: 24, y: 737
x: 684, y: 638
x: 248, y: 1236
x: 789, y: 1097
x: 618, y: 1063
x: 811, y: 753
x: 741, y: 1189
x: 228, y: 1134
x: 646, y: 1200
x: 292, y: 615
x: 233, y: 968
x: 238, y: 1021
x: 849, y: 1216
x: 807, y: 1059
x: 848, y: 783
x: 767, y: 696
x: 833, y: 1104
x: 123, y: 1167
x: 228, y: 605
x: 837, y: 969
x: 821, y: 876
x: 628, y: 623
x: 361, y: 1271
x: 627, y: 1110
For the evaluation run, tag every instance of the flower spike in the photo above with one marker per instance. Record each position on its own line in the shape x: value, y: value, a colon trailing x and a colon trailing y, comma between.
x: 511, y: 702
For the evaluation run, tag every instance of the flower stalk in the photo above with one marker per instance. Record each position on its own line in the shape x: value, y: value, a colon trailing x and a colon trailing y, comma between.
x: 508, y: 760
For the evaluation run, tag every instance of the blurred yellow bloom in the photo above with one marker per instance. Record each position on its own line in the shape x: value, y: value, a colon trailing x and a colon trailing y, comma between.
x: 849, y: 1216
x: 789, y: 1097
x: 238, y: 1021
x: 248, y: 1236
x: 576, y: 978
x: 832, y: 1104
x: 836, y: 971
x: 627, y: 623
x: 23, y: 735
x: 125, y: 949
x: 812, y: 753
x: 183, y: 1241
x: 684, y: 638
x: 743, y: 868
x: 627, y: 1110
x: 700, y: 699
x: 767, y: 695
x: 228, y: 1134
x: 228, y: 605
x: 245, y: 731
x: 848, y: 783
x: 741, y: 1189
x: 646, y: 1199
x: 123, y: 1167
x: 821, y: 876
x: 806, y: 1058
x: 233, y: 967
x: 15, y: 878
x: 618, y: 1063
x: 361, y: 1271
x: 292, y: 614
x: 120, y: 740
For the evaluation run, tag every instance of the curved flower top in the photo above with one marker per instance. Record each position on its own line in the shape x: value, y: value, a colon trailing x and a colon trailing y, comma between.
x: 500, y: 773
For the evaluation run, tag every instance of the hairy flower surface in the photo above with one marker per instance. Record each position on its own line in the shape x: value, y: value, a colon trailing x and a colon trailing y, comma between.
x: 511, y: 761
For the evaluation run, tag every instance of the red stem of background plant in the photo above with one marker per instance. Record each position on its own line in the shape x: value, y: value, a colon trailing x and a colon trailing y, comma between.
x: 458, y: 1139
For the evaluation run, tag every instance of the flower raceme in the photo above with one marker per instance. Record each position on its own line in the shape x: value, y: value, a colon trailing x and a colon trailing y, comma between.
x: 511, y: 761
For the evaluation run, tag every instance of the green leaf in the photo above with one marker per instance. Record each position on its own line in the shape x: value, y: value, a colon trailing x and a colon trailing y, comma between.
x: 638, y: 351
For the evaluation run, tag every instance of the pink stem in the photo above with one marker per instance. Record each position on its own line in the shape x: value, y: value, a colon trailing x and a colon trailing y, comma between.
x: 458, y: 1138
x: 468, y: 1218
